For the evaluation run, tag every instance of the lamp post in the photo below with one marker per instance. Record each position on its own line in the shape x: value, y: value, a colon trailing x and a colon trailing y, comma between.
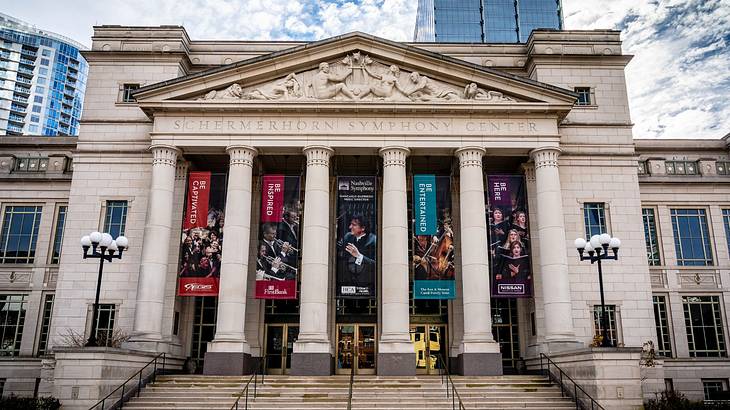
x: 597, y: 250
x: 104, y: 248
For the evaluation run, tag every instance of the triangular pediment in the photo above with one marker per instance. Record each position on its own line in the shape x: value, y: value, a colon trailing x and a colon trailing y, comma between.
x: 353, y: 70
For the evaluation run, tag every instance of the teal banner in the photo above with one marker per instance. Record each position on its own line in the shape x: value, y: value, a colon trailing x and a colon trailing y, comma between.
x: 424, y: 205
x: 434, y: 289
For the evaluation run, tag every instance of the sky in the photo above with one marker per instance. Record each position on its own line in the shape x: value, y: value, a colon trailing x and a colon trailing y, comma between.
x: 678, y: 80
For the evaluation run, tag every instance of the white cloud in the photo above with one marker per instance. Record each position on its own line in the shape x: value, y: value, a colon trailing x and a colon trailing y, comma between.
x: 679, y: 80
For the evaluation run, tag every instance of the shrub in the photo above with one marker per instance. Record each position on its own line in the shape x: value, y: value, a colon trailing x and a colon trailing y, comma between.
x: 673, y: 400
x: 29, y: 403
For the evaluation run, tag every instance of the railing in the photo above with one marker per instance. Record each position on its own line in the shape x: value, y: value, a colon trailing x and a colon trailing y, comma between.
x: 128, y: 393
x: 566, y: 390
x: 456, y: 402
x: 246, y: 389
x: 352, y: 381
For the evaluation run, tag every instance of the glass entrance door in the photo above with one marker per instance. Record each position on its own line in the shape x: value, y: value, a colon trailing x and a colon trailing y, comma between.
x: 356, y: 347
x: 279, y: 346
x: 429, y: 341
x: 506, y: 332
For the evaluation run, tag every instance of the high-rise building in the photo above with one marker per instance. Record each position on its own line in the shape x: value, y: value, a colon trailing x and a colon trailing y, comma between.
x: 42, y: 80
x: 484, y: 21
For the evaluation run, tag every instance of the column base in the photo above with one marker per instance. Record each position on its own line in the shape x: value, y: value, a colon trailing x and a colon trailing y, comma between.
x: 480, y: 364
x: 311, y: 364
x: 229, y: 364
x: 396, y: 364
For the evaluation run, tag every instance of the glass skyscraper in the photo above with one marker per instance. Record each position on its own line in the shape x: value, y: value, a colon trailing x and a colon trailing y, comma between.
x: 484, y: 21
x: 42, y: 81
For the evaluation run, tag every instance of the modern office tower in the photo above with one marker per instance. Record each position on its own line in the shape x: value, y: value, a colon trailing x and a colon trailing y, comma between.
x: 42, y: 80
x: 484, y: 21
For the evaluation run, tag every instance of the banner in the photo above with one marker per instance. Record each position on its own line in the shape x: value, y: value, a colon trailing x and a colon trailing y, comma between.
x: 433, y: 239
x: 356, y: 239
x: 509, y: 236
x: 202, y: 235
x: 277, y: 259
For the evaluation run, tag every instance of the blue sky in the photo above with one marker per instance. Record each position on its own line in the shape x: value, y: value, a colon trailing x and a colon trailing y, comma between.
x: 679, y: 79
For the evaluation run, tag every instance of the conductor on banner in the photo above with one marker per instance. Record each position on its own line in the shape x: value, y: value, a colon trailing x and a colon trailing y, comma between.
x: 359, y: 246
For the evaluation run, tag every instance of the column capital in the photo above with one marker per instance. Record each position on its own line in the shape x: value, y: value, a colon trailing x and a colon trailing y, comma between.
x: 545, y: 156
x: 181, y: 170
x: 470, y: 156
x: 241, y: 154
x: 164, y: 154
x: 529, y: 169
x: 318, y: 155
x: 394, y: 155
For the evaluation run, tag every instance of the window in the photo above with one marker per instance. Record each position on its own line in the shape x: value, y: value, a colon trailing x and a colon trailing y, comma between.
x: 19, y: 234
x: 585, y: 96
x: 703, y: 320
x: 691, y: 237
x: 45, y: 324
x: 34, y: 118
x: 40, y: 90
x: 46, y: 52
x: 12, y: 318
x: 58, y: 234
x: 41, y: 80
x: 663, y: 335
x: 651, y: 237
x: 33, y: 128
x: 722, y: 167
x: 116, y: 218
x: 711, y: 388
x: 37, y: 108
x: 726, y: 222
x: 642, y: 168
x: 612, y: 331
x: 44, y: 61
x: 681, y: 167
x: 127, y: 92
x: 594, y: 216
x: 43, y: 71
x: 105, y: 324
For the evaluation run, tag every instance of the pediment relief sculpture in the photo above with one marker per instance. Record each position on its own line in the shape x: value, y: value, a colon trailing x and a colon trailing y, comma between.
x: 357, y: 77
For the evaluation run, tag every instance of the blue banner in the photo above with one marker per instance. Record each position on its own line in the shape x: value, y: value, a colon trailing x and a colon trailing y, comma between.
x: 424, y: 204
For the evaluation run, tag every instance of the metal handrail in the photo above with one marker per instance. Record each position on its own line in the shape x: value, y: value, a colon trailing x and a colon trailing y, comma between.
x: 126, y: 395
x: 245, y: 391
x: 352, y: 381
x: 455, y: 397
x: 565, y: 391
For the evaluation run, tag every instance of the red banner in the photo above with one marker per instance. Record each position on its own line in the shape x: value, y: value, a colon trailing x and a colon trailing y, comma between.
x: 276, y: 289
x: 198, y: 194
x: 272, y: 198
x: 198, y: 287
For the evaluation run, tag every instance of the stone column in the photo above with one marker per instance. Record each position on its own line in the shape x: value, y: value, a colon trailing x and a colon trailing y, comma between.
x: 395, y: 349
x: 312, y: 351
x: 147, y: 332
x: 554, y: 280
x: 480, y: 354
x: 229, y: 353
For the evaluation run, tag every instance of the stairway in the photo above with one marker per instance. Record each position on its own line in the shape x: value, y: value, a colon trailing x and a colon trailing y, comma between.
x: 369, y: 392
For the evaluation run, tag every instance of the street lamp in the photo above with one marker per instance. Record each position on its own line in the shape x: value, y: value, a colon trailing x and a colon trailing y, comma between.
x: 597, y: 249
x: 104, y: 248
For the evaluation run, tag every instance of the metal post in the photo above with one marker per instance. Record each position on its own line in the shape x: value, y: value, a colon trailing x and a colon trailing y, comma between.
x: 575, y: 394
x: 121, y: 402
x: 604, y: 314
x: 561, y: 384
x: 453, y: 396
x: 102, y: 404
x: 95, y: 314
x: 246, y: 398
x: 139, y: 383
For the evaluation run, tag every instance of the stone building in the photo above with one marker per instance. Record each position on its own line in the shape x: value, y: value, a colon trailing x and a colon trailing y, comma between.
x: 554, y: 111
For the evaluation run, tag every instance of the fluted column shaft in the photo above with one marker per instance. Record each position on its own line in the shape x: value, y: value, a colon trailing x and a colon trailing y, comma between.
x: 156, y: 247
x: 553, y: 252
x: 474, y: 261
x: 230, y: 335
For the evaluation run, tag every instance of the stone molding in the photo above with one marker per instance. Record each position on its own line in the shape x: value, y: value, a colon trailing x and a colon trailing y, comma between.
x: 318, y: 155
x: 241, y: 154
x: 181, y: 170
x: 165, y: 155
x: 470, y: 156
x: 545, y: 156
x: 529, y: 170
x: 394, y: 156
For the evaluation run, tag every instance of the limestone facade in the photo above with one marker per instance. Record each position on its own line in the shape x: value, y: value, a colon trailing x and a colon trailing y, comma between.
x: 249, y: 108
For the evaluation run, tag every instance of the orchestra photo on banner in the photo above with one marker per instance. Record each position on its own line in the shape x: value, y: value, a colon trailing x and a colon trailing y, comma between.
x: 433, y: 238
x: 509, y: 236
x: 278, y: 252
x: 356, y: 238
x: 202, y: 235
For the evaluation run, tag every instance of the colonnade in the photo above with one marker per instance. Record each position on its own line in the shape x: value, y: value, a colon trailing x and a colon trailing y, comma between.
x: 229, y: 352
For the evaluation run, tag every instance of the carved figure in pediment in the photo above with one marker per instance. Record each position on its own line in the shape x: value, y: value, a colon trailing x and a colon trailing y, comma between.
x: 287, y: 89
x: 473, y: 92
x: 385, y: 86
x: 326, y: 85
x: 423, y: 88
x: 232, y: 92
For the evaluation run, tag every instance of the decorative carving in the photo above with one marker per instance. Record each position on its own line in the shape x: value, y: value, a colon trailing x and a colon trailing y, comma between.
x: 318, y: 155
x: 357, y: 77
x: 470, y: 156
x: 708, y: 280
x: 241, y: 155
x: 164, y: 155
x: 394, y: 156
x: 545, y: 157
